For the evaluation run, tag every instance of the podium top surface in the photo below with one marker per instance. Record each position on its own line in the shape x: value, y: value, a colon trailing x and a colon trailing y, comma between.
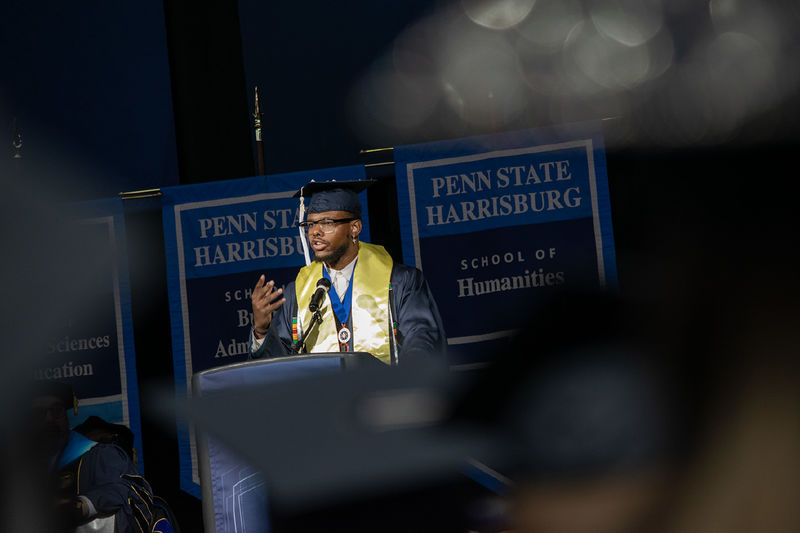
x: 270, y: 370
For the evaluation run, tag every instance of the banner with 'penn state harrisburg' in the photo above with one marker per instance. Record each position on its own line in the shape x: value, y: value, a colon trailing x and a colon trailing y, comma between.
x: 497, y: 222
x: 219, y: 238
x: 93, y: 350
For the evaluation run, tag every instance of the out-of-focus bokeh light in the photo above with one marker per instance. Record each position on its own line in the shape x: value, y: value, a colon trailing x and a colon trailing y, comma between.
x: 549, y: 23
x: 756, y: 18
x: 629, y: 22
x: 575, y: 109
x: 411, y: 52
x: 481, y: 68
x: 606, y: 62
x: 714, y: 90
x: 497, y: 14
x: 728, y: 57
x: 678, y: 72
x: 394, y: 99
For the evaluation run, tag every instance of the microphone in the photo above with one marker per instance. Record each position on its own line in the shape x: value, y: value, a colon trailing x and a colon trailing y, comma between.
x: 323, y: 286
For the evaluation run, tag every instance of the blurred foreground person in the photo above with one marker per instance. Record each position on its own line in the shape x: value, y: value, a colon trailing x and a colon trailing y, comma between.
x: 91, y: 486
x: 622, y: 423
x: 590, y: 418
x: 745, y: 476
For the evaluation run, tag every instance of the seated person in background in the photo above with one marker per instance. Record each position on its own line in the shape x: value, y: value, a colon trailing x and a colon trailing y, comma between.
x: 99, y: 430
x: 96, y: 486
x: 376, y: 305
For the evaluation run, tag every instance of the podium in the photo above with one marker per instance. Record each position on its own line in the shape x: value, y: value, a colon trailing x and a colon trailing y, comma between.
x: 234, y: 495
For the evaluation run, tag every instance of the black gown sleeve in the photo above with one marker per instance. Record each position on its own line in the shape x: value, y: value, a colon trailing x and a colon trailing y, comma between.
x: 420, y: 329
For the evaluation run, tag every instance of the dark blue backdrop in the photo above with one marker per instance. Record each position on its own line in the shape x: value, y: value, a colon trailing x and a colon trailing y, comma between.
x: 89, y: 86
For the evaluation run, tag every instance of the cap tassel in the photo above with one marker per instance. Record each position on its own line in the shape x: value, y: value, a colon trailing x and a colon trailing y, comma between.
x: 302, y: 217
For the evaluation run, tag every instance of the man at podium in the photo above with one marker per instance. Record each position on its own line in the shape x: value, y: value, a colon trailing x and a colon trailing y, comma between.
x: 363, y: 301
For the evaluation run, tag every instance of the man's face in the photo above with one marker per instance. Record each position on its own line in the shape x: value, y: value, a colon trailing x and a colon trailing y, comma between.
x: 49, y: 422
x: 330, y: 247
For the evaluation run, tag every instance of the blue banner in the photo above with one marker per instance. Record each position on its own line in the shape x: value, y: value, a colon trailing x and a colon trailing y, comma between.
x: 496, y: 222
x: 219, y: 238
x: 94, y: 350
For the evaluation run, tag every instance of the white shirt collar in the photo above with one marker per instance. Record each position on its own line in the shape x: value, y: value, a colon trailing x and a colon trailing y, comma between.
x: 341, y: 278
x: 347, y: 270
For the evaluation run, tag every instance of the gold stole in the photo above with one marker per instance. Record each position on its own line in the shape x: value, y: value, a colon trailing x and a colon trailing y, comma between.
x: 369, y: 306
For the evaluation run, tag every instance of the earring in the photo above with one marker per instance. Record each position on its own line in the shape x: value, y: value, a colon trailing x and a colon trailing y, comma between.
x: 354, y: 240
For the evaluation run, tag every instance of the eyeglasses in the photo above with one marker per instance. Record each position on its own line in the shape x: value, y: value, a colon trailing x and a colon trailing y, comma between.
x: 327, y: 225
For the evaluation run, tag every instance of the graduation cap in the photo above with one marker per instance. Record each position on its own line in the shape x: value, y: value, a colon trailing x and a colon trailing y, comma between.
x: 322, y: 196
x: 334, y: 195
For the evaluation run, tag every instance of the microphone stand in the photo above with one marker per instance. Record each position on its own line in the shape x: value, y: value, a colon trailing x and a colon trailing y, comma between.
x: 316, y: 319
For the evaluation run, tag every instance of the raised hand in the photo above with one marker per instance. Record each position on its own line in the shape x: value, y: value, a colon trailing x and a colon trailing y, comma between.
x: 265, y: 300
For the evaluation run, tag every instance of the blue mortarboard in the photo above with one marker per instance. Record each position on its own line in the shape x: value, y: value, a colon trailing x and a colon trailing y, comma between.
x: 333, y: 196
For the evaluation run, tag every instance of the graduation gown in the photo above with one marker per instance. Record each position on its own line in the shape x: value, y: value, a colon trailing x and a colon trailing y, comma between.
x: 419, y: 326
x: 105, y: 475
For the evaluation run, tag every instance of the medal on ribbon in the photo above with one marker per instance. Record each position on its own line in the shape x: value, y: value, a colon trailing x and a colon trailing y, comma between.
x: 344, y: 335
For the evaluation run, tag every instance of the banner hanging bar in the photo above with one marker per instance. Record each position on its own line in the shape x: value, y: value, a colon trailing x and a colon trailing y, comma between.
x: 375, y: 150
x: 379, y: 163
x: 144, y: 193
